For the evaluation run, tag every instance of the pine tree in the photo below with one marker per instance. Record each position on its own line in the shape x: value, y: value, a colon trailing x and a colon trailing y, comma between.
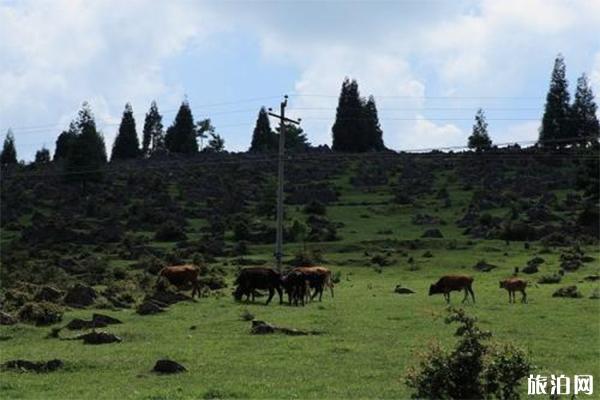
x: 263, y: 137
x: 153, y: 139
x: 479, y: 139
x: 64, y: 142
x: 374, y: 132
x: 126, y: 143
x: 295, y: 138
x: 42, y: 156
x: 556, y: 121
x: 88, y: 153
x: 9, y: 152
x: 584, y: 120
x: 181, y: 136
x: 347, y: 129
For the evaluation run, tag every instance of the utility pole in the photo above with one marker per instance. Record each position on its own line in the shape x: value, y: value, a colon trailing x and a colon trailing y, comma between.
x: 282, y: 121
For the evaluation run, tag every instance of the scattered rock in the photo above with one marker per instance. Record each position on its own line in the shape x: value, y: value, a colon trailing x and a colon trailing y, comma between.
x: 148, y: 308
x: 432, y: 233
x: 7, y: 319
x: 568, y: 291
x: 262, y: 328
x: 402, y: 290
x: 105, y: 319
x: 78, y: 324
x: 80, y: 296
x: 550, y: 279
x: 167, y: 297
x: 32, y: 366
x: 41, y: 313
x: 98, y: 321
x: 530, y: 269
x: 591, y: 278
x: 168, y: 367
x: 426, y: 219
x: 98, y: 338
x: 48, y: 293
x: 427, y: 254
x: 483, y: 266
x: 536, y: 261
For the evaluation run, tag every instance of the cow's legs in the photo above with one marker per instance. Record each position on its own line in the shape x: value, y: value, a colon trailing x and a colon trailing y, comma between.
x: 280, y: 293
x: 466, y: 295
x: 271, y: 294
x: 472, y: 293
x: 524, y: 298
x: 447, y: 297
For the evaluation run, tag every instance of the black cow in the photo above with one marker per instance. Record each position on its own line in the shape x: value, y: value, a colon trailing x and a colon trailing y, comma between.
x: 251, y: 279
x: 449, y: 283
x: 296, y: 286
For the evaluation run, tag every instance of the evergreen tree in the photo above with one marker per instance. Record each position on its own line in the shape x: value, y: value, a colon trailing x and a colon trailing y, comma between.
x: 295, y: 138
x: 555, y: 122
x: 263, y: 137
x: 374, y: 132
x: 479, y: 139
x: 584, y: 120
x: 87, y: 153
x: 153, y: 139
x: 347, y: 129
x: 9, y: 152
x: 64, y: 142
x: 126, y: 143
x: 181, y: 136
x: 42, y: 156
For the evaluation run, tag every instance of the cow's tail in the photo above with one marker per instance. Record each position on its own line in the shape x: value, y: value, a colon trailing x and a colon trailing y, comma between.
x: 329, y: 283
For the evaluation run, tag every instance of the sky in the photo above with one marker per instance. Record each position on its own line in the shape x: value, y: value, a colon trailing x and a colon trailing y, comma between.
x: 429, y: 64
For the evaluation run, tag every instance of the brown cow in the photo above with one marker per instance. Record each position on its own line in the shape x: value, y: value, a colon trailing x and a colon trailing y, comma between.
x: 318, y: 278
x: 449, y: 283
x: 512, y: 285
x: 181, y: 275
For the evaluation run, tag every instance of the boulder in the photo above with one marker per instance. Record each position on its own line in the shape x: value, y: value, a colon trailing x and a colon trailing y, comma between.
x: 261, y: 328
x: 80, y: 296
x: 432, y: 233
x: 483, y: 266
x: 99, y: 338
x: 40, y: 313
x: 149, y: 308
x: 165, y: 366
x: 530, y: 269
x: 48, y: 293
x: 104, y: 319
x: 568, y: 291
x: 402, y: 290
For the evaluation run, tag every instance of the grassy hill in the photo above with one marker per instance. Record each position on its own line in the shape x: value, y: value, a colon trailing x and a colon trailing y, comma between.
x: 376, y: 220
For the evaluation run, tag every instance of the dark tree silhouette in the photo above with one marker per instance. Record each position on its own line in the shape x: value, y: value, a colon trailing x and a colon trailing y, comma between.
x: 153, y: 139
x: 181, y: 136
x: 585, y: 126
x: 556, y: 119
x: 9, y: 152
x: 126, y: 143
x: 64, y: 142
x: 479, y: 139
x: 374, y: 132
x: 263, y: 137
x: 295, y: 138
x: 42, y: 156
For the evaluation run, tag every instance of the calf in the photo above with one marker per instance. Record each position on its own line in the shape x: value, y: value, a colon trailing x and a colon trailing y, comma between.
x: 251, y: 279
x: 449, y: 283
x: 296, y: 286
x: 181, y: 275
x: 318, y: 278
x: 512, y: 285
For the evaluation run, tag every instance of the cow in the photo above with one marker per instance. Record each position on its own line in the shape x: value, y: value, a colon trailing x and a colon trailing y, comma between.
x: 296, y: 286
x: 180, y: 276
x: 449, y: 283
x: 250, y: 279
x: 513, y: 285
x: 318, y: 278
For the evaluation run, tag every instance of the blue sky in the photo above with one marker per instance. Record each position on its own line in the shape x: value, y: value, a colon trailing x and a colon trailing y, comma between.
x: 428, y: 63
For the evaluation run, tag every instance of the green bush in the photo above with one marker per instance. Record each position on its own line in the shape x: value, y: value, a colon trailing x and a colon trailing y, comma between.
x: 40, y: 313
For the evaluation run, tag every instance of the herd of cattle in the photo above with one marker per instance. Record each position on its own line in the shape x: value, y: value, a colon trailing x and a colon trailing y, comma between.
x: 303, y: 284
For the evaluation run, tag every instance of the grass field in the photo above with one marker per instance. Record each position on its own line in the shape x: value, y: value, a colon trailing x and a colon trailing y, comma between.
x: 370, y: 335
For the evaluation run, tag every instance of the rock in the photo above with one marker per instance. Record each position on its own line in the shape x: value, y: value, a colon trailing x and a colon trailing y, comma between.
x: 7, y: 319
x: 591, y: 278
x: 530, y: 269
x: 427, y: 254
x: 148, y: 308
x: 80, y: 296
x: 78, y: 324
x: 167, y: 297
x: 571, y: 265
x: 48, y: 293
x: 168, y: 367
x: 568, y: 291
x: 99, y: 338
x: 483, y: 266
x: 42, y: 313
x: 402, y: 290
x: 261, y: 328
x: 104, y: 319
x: 32, y: 366
x: 432, y: 233
x: 536, y: 261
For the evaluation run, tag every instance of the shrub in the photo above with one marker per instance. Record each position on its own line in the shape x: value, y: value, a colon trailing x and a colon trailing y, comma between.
x: 315, y: 207
x: 41, y: 313
x: 170, y: 232
x: 472, y: 370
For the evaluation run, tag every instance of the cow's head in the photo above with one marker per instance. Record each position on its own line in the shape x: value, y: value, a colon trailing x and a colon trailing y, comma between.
x: 237, y: 294
x: 434, y: 289
x: 502, y: 284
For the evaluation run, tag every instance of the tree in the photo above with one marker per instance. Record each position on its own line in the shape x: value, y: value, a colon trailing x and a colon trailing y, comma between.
x: 203, y: 129
x: 479, y: 139
x: 585, y: 126
x: 263, y: 137
x: 64, y: 142
x: 153, y: 139
x: 9, y: 152
x: 181, y: 136
x: 126, y: 143
x: 216, y: 144
x: 374, y: 132
x: 555, y: 122
x: 42, y: 156
x: 295, y: 138
x: 87, y: 153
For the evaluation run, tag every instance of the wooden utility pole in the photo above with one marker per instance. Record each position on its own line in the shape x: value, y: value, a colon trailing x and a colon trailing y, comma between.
x: 282, y: 121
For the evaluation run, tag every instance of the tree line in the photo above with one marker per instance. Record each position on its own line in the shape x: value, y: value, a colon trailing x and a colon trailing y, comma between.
x: 356, y: 129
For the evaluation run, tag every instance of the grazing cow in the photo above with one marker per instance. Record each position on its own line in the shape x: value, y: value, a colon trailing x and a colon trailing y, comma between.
x: 318, y: 278
x: 449, y: 283
x: 513, y: 285
x: 251, y: 279
x: 296, y: 286
x: 181, y: 275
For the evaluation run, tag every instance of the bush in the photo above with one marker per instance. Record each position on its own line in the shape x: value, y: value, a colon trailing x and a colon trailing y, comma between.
x: 472, y: 370
x: 170, y: 232
x: 315, y: 207
x: 41, y: 313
